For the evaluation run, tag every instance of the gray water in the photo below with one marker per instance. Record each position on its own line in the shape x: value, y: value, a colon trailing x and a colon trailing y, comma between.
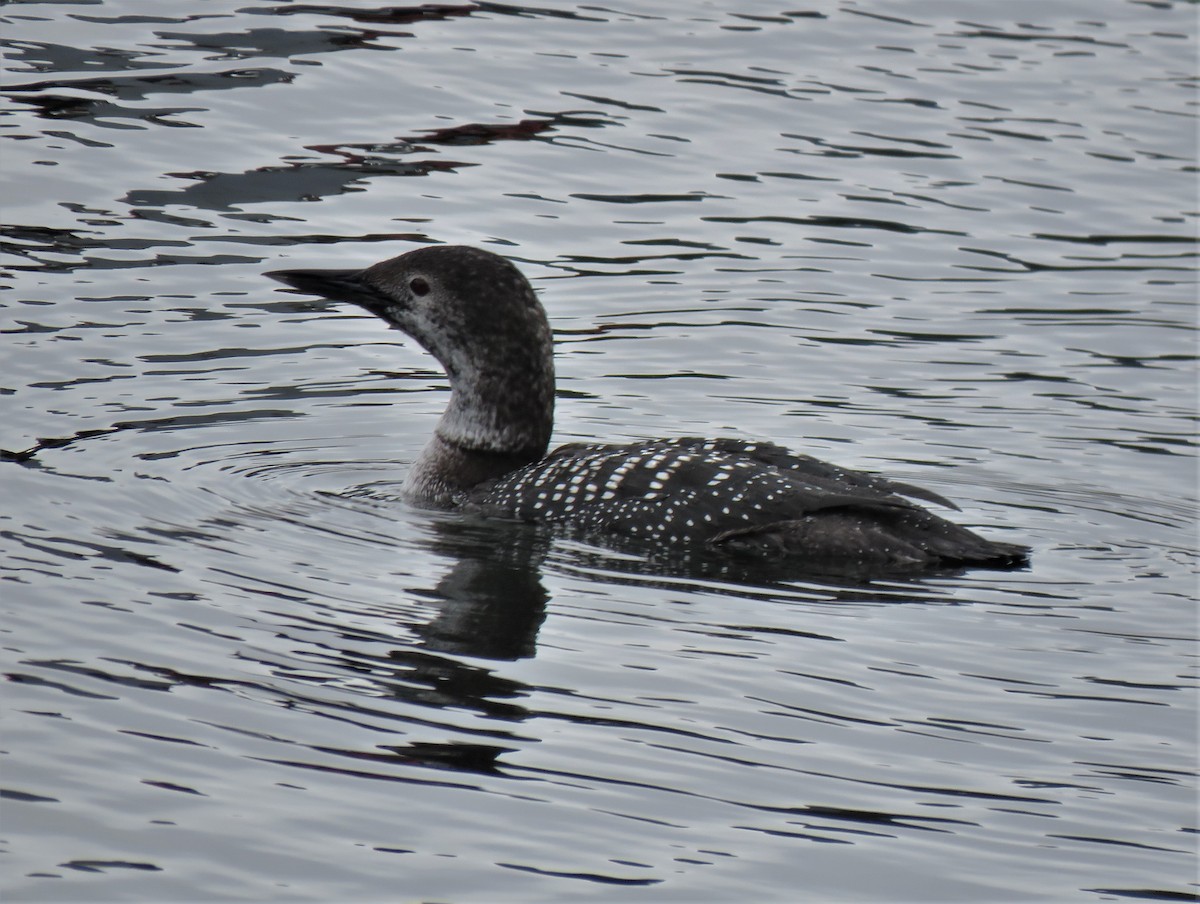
x: 950, y: 242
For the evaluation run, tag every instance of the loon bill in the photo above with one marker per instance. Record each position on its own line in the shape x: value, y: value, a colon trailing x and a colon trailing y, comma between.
x: 478, y: 316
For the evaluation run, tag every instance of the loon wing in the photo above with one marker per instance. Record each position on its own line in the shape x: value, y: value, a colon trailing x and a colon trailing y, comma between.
x: 851, y: 517
x: 805, y: 466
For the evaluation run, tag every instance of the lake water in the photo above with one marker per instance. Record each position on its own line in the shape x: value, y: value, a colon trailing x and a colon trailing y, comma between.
x: 954, y: 243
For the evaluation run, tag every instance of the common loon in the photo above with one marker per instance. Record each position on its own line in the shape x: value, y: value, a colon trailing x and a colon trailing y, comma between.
x: 478, y: 316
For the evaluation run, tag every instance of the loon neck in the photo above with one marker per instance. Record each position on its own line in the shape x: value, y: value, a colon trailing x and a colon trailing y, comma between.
x: 493, y: 425
x: 444, y: 471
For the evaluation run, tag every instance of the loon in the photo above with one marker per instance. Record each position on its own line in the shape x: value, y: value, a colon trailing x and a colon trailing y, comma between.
x: 478, y: 316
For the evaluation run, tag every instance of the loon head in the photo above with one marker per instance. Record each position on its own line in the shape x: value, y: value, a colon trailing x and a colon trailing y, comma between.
x: 471, y: 309
x: 478, y: 315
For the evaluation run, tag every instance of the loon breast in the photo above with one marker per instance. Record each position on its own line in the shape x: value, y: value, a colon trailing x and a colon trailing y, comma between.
x: 478, y: 315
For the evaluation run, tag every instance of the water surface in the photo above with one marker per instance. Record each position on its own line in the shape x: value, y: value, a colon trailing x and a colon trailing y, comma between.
x: 951, y: 242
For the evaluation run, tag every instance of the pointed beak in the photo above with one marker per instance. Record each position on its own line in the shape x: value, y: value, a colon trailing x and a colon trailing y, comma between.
x: 336, y: 285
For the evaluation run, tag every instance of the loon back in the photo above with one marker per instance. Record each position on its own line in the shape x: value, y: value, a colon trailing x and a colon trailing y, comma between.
x: 478, y: 315
x: 739, y: 498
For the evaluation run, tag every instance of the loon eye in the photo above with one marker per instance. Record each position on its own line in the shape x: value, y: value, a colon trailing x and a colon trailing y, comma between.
x: 418, y: 286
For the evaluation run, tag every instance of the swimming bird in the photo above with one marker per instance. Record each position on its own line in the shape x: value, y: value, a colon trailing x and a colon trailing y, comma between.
x: 477, y: 314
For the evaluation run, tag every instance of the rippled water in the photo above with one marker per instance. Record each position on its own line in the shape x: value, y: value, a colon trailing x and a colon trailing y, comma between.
x: 951, y: 242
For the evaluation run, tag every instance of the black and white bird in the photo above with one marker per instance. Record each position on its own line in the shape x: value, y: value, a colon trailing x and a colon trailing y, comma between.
x: 478, y: 316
